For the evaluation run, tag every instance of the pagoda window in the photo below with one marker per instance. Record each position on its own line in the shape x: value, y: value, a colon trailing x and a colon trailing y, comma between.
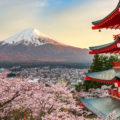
x: 119, y: 89
x: 118, y: 45
x: 115, y: 84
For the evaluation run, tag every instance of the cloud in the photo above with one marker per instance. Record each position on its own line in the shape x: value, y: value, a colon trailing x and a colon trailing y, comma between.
x: 39, y: 3
x: 73, y: 25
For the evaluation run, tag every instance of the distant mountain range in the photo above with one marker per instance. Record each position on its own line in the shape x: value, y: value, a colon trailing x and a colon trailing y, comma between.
x: 32, y: 45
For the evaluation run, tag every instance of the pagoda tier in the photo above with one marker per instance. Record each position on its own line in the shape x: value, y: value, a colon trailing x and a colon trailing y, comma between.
x: 107, y: 77
x: 102, y: 107
x: 112, y: 21
x: 112, y: 48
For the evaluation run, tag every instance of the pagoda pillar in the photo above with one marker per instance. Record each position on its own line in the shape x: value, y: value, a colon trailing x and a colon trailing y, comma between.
x: 118, y: 88
x: 116, y: 65
x: 117, y: 85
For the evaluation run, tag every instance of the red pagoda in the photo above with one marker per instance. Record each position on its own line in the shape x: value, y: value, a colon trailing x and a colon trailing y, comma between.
x: 102, y: 107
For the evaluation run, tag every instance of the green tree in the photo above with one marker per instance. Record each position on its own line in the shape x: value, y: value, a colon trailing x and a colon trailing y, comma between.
x: 102, y: 62
x: 11, y: 75
x: 105, y: 62
x: 79, y: 87
x: 97, y: 64
x: 91, y: 84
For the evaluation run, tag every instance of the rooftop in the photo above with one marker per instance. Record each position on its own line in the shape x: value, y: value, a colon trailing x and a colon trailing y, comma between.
x: 108, y: 75
x: 110, y: 21
x: 102, y: 107
x: 107, y: 48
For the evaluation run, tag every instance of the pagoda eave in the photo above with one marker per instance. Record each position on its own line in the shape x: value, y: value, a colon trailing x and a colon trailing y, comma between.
x: 109, y: 22
x: 100, y: 106
x: 112, y: 48
x: 114, y: 51
x: 101, y: 81
x: 95, y: 28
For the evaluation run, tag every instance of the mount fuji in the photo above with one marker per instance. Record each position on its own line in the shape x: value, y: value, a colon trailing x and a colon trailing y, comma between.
x: 32, y: 45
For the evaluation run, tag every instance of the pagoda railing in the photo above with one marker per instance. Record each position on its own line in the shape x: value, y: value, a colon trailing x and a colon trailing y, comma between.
x: 115, y: 36
x: 114, y: 93
x: 116, y: 65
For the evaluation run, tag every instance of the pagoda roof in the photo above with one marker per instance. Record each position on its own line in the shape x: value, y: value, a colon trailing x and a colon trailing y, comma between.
x: 110, y: 21
x: 105, y: 76
x: 99, y: 21
x: 102, y: 107
x: 112, y: 47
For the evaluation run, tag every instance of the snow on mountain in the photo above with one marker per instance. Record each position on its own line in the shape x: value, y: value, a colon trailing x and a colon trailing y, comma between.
x: 29, y: 37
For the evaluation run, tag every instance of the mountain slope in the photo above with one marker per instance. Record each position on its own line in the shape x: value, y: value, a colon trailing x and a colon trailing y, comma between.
x: 30, y: 45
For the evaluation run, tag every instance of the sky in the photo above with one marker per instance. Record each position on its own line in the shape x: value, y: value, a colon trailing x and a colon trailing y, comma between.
x: 67, y: 21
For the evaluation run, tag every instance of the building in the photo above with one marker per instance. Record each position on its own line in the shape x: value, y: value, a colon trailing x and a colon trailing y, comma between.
x: 1, y: 72
x: 35, y: 80
x: 103, y: 106
x: 44, y: 71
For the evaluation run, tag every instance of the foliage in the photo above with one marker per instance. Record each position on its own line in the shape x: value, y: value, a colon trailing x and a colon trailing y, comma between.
x: 66, y: 115
x: 95, y: 93
x: 87, y: 85
x: 11, y: 75
x: 102, y: 62
x: 36, y: 101
x: 79, y: 87
x: 21, y: 95
x: 107, y: 61
x: 97, y: 64
x: 16, y: 69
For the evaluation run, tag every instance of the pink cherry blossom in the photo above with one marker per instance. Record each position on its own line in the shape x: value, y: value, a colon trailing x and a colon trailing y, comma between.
x: 56, y: 102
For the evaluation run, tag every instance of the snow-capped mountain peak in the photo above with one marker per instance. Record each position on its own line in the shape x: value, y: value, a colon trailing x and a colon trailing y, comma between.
x: 29, y: 37
x: 38, y: 33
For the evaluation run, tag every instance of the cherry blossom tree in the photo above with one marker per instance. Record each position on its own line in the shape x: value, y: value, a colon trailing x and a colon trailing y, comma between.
x: 22, y: 95
x: 68, y: 116
x: 110, y: 116
x: 55, y: 102
x: 47, y: 100
x: 11, y: 89
x: 93, y: 94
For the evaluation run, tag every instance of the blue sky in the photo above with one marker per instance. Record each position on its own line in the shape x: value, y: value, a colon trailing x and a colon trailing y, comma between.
x: 67, y: 21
